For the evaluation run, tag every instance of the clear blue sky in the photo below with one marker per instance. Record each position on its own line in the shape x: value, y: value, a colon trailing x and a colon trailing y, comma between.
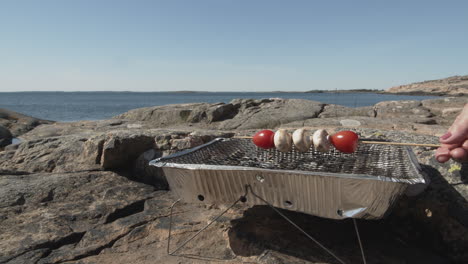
x: 226, y: 45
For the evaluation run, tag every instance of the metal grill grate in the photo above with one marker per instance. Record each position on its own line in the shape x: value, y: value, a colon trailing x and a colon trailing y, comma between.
x: 370, y: 159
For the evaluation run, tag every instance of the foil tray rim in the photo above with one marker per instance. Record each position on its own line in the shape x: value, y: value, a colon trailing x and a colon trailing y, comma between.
x: 163, y: 162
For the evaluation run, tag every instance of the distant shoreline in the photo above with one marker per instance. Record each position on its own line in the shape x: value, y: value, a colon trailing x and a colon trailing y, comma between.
x: 368, y: 91
x: 186, y: 92
x: 421, y: 93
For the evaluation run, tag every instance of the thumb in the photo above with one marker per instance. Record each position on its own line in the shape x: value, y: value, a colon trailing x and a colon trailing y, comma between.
x: 458, y: 132
x: 457, y: 135
x: 454, y: 137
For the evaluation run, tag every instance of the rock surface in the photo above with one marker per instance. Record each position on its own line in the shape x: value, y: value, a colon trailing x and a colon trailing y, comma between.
x: 83, y: 192
x: 425, y: 117
x: 44, y: 212
x: 445, y: 109
x: 238, y: 114
x: 5, y: 136
x: 455, y: 85
x: 18, y: 123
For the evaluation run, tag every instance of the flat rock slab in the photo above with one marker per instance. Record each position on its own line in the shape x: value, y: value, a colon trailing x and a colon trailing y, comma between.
x: 43, y: 212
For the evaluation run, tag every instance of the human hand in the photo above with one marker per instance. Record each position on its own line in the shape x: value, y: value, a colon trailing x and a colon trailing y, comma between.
x: 454, y: 144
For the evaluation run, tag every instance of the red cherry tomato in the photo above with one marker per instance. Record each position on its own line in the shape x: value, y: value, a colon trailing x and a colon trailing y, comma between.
x: 264, y: 139
x: 345, y: 141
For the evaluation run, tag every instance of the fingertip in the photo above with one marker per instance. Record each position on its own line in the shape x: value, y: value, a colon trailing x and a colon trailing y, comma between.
x: 459, y: 154
x: 442, y: 151
x: 442, y: 158
x: 442, y: 154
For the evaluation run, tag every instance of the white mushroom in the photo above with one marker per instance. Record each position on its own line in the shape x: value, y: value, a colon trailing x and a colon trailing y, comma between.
x: 320, y: 140
x: 282, y: 140
x: 301, y: 140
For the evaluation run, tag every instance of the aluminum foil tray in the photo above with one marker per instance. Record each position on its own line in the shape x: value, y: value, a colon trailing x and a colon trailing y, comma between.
x: 334, y: 185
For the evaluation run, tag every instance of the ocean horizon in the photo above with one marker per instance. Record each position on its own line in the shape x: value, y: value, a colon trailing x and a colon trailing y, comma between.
x: 96, y: 105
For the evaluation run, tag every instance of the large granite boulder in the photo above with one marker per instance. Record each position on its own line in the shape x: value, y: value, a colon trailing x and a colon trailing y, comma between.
x: 399, y: 109
x: 167, y: 143
x: 54, y: 154
x: 238, y: 114
x: 76, y: 152
x: 270, y: 113
x: 340, y: 111
x: 99, y: 149
x: 172, y: 115
x: 248, y: 114
x: 120, y: 150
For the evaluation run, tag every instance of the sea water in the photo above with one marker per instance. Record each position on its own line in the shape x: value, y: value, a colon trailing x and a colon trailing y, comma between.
x: 73, y: 106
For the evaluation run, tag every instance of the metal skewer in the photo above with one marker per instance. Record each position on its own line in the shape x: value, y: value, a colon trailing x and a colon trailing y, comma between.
x: 381, y: 143
x: 399, y: 143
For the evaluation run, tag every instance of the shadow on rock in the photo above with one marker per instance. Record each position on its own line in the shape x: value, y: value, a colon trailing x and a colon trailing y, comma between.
x: 429, y: 228
x: 262, y: 229
x: 438, y: 217
x: 464, y: 173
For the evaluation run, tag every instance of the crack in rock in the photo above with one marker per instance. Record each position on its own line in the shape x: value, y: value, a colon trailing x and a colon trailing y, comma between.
x: 130, y: 209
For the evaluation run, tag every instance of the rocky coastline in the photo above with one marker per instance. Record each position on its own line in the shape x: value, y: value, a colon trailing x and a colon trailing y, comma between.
x: 83, y: 192
x: 451, y: 86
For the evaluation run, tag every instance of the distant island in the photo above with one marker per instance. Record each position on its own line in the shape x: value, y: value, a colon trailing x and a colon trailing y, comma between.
x: 346, y: 91
x: 453, y: 86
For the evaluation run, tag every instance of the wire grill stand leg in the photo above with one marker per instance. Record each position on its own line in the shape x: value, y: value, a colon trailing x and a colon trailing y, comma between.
x: 199, y: 231
x: 248, y: 187
x: 170, y: 227
x: 242, y: 198
x: 359, y: 239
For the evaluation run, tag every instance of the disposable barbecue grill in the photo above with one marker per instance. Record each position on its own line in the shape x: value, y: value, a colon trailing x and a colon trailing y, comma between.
x: 364, y: 184
x: 333, y: 185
